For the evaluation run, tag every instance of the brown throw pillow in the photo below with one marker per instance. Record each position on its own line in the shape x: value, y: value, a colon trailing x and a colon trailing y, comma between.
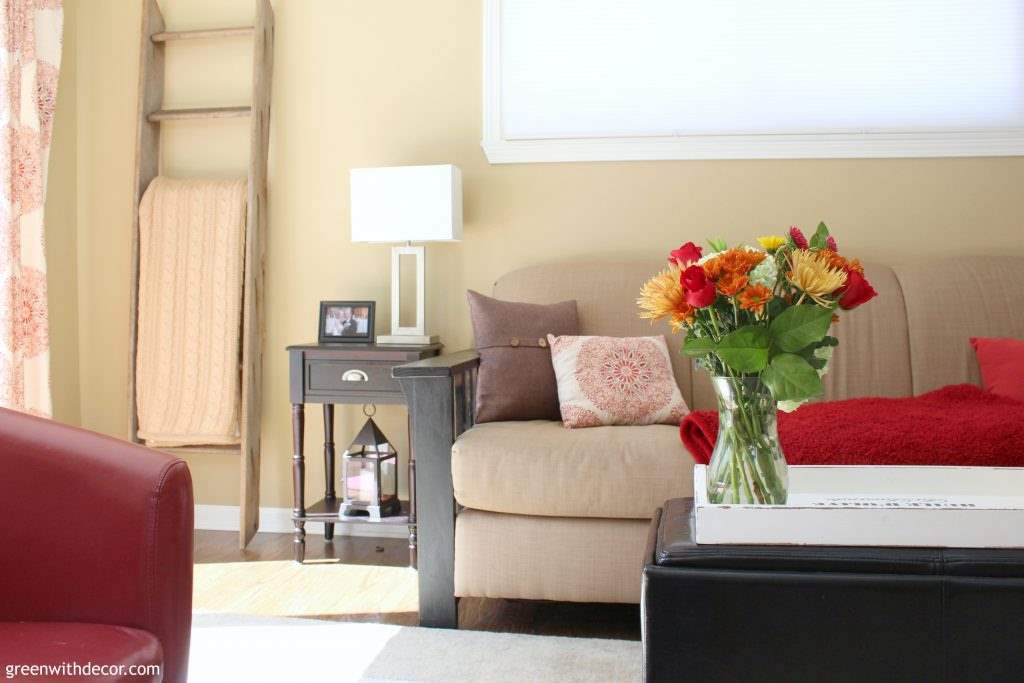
x: 516, y: 380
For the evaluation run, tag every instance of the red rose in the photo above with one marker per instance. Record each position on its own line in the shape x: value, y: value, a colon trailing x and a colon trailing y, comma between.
x: 693, y: 278
x: 702, y: 298
x: 700, y: 291
x: 685, y: 255
x: 856, y: 291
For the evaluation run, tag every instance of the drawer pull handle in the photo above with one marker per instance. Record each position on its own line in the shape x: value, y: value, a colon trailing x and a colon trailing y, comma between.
x: 354, y: 376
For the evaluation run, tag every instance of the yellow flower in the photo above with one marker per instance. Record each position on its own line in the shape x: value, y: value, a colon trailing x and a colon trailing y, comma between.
x: 662, y: 297
x: 811, y: 273
x: 771, y: 242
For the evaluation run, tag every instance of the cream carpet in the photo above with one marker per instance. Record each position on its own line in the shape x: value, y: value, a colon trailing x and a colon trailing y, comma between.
x: 254, y: 648
x: 251, y: 622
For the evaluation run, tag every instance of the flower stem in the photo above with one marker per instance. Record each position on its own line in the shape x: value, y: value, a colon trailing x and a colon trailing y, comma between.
x: 747, y: 466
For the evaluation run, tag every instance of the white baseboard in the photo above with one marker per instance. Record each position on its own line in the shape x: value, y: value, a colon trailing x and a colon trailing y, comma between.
x: 279, y: 521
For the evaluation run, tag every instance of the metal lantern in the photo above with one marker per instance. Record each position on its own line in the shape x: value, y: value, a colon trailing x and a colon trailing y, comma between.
x: 370, y: 472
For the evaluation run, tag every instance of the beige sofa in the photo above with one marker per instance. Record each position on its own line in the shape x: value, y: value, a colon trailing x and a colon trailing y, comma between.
x: 549, y: 513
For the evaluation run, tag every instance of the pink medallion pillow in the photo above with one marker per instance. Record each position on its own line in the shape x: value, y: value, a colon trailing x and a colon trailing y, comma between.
x: 615, y: 381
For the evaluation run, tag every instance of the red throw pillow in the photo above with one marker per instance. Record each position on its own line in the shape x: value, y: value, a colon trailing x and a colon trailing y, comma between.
x: 1002, y: 365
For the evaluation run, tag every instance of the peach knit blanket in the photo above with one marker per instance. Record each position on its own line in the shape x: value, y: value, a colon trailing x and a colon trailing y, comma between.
x: 187, y: 371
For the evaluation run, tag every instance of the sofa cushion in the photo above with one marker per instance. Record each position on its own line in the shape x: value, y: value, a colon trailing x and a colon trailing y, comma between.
x: 548, y: 558
x: 540, y: 468
x: 46, y: 644
x: 948, y: 302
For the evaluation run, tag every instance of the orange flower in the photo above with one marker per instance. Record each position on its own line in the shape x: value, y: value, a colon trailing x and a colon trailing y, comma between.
x: 833, y: 259
x: 839, y: 263
x: 731, y: 283
x: 732, y: 261
x: 754, y: 298
x: 713, y: 268
x: 682, y: 316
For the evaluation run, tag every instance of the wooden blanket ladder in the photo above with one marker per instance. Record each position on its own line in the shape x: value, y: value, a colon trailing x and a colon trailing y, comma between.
x: 147, y: 167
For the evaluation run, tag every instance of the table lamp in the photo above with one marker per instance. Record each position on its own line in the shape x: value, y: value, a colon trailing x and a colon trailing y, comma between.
x: 407, y: 204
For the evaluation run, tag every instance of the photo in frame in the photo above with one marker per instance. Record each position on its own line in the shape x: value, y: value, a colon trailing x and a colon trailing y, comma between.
x: 346, y: 322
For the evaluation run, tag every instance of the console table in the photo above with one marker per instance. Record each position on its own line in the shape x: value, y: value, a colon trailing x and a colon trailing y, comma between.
x: 334, y: 374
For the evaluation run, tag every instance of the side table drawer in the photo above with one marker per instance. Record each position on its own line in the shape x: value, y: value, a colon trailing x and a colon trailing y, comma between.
x: 343, y: 376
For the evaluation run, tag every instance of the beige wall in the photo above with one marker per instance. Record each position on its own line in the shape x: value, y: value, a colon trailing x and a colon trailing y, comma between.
x: 362, y: 83
x: 61, y: 233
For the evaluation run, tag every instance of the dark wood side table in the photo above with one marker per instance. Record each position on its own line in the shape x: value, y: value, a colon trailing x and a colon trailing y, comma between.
x: 334, y: 374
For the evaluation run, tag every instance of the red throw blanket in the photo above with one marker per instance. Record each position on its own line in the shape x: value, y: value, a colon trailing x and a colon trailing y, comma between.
x: 957, y: 425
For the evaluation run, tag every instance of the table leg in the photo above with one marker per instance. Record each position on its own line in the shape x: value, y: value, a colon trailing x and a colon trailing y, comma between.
x: 329, y: 463
x: 412, y: 512
x: 412, y: 497
x: 299, y: 480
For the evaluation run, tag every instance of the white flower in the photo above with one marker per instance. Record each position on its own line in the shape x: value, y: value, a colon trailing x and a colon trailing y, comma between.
x: 765, y: 273
x: 790, y: 406
x: 824, y: 353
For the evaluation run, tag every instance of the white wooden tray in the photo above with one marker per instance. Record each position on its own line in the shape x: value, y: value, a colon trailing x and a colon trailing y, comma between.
x: 951, y: 507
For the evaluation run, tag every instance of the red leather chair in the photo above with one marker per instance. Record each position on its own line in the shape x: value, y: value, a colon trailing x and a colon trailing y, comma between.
x: 95, y: 551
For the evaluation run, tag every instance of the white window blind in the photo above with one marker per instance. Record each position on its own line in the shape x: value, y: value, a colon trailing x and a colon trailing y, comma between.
x: 577, y: 79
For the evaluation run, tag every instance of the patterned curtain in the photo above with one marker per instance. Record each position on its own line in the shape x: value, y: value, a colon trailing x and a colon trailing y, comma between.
x: 30, y: 50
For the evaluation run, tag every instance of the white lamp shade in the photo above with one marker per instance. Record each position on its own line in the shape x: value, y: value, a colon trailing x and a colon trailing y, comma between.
x: 406, y: 204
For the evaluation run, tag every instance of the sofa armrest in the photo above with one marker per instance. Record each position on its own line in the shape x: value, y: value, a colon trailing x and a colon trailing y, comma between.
x: 95, y: 530
x: 440, y: 393
x: 447, y: 365
x: 454, y: 372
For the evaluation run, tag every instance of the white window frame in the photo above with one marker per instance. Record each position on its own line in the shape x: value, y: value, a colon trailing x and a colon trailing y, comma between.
x: 499, y: 150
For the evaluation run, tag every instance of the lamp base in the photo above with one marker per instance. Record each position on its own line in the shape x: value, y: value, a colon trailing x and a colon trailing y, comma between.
x: 407, y: 339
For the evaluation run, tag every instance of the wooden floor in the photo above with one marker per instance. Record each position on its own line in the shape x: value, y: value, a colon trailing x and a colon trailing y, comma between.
x: 514, y: 616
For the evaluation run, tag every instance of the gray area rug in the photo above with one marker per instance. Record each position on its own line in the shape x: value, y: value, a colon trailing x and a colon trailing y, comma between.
x: 250, y: 648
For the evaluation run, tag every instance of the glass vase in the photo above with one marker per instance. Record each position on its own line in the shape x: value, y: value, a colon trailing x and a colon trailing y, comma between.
x: 747, y: 465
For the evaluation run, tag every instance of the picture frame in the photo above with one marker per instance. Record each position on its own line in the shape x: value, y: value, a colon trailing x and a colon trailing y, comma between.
x: 347, y: 322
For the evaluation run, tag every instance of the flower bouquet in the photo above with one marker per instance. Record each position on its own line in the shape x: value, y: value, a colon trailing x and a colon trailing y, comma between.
x: 758, y: 320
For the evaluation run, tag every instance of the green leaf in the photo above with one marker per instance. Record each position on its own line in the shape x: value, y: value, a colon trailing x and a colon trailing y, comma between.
x: 698, y: 346
x: 820, y: 238
x: 815, y: 362
x: 800, y: 326
x: 717, y: 244
x: 807, y: 353
x: 775, y: 307
x: 746, y: 349
x: 791, y: 378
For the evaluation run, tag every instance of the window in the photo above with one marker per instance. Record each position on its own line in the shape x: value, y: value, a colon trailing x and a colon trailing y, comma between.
x: 568, y: 80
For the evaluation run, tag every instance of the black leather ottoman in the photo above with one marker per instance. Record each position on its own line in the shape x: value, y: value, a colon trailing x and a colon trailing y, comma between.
x: 813, y: 613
